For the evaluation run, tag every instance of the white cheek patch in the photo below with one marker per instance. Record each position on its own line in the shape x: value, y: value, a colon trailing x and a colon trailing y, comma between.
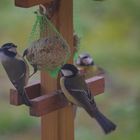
x: 87, y: 61
x: 66, y: 72
x: 12, y: 50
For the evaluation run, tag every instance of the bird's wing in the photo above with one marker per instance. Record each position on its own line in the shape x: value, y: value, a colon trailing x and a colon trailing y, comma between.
x: 79, y: 91
x: 84, y: 100
x: 16, y: 71
x: 80, y: 95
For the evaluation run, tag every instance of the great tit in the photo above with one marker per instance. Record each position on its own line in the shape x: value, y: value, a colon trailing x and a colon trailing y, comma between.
x: 87, y: 66
x: 76, y: 91
x: 16, y: 69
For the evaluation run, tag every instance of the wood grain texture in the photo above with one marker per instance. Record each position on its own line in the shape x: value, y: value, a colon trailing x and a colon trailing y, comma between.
x: 96, y: 85
x: 48, y: 102
x: 15, y: 98
x: 66, y: 123
x: 49, y: 122
x: 63, y: 19
x: 30, y: 3
x: 32, y: 91
x: 66, y: 115
x: 49, y: 127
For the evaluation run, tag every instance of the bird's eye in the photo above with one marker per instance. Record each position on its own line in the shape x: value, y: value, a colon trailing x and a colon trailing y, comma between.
x: 85, y: 57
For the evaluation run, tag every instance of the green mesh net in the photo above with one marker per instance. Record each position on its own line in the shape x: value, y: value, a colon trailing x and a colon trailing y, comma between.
x: 48, y: 50
x: 76, y: 47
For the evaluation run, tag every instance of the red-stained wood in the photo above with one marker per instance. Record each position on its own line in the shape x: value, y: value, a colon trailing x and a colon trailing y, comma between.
x: 49, y: 122
x: 96, y: 85
x: 65, y: 26
x: 47, y: 103
x: 30, y: 3
x: 62, y: 120
x: 32, y: 91
x: 15, y: 98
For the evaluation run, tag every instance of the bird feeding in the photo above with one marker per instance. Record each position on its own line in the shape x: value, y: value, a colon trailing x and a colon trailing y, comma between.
x: 47, y: 53
x: 77, y: 92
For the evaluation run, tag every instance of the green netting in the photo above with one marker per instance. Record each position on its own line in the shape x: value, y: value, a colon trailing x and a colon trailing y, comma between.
x: 76, y: 46
x: 48, y: 50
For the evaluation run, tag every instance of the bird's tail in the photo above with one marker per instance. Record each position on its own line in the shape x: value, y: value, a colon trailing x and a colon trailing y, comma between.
x: 105, y: 123
x: 25, y: 98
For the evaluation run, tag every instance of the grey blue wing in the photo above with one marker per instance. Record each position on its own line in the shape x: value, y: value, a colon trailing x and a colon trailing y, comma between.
x: 80, y: 93
x: 83, y: 97
x: 16, y: 71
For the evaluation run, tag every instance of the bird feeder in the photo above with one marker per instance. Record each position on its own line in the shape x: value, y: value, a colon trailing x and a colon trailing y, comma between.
x: 48, y: 102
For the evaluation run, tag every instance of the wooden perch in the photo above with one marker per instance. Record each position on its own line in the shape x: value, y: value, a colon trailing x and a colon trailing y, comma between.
x: 43, y: 104
x: 33, y: 91
x: 47, y: 103
x: 96, y: 85
x: 30, y: 3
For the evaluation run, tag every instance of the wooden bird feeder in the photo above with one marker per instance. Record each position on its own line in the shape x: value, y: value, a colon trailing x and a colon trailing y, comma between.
x: 48, y: 101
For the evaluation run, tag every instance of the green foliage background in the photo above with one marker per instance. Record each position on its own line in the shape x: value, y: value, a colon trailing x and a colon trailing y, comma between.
x: 110, y: 31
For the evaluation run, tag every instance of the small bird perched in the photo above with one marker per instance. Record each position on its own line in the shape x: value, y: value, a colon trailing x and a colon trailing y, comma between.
x: 16, y: 69
x: 76, y: 91
x: 87, y: 66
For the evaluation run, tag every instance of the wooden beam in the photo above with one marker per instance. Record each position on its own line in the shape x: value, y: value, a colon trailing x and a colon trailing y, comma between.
x: 33, y: 91
x: 96, y: 85
x: 47, y: 103
x: 65, y: 25
x: 30, y: 3
x: 61, y: 121
x: 15, y: 98
x: 49, y: 122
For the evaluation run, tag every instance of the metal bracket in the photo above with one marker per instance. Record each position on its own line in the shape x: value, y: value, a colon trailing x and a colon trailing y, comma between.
x: 50, y: 8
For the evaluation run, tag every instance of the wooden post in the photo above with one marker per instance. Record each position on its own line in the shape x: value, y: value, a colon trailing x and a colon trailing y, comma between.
x: 59, y: 125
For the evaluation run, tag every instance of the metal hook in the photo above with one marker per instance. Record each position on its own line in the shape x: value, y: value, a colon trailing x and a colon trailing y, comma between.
x: 50, y: 9
x: 44, y: 10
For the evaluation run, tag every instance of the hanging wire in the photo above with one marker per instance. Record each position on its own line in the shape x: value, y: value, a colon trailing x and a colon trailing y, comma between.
x: 44, y: 27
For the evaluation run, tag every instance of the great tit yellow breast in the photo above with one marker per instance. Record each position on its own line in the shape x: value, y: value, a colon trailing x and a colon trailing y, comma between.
x: 90, y: 71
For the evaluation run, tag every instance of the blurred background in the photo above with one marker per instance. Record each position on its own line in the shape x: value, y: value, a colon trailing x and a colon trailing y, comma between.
x: 110, y: 31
